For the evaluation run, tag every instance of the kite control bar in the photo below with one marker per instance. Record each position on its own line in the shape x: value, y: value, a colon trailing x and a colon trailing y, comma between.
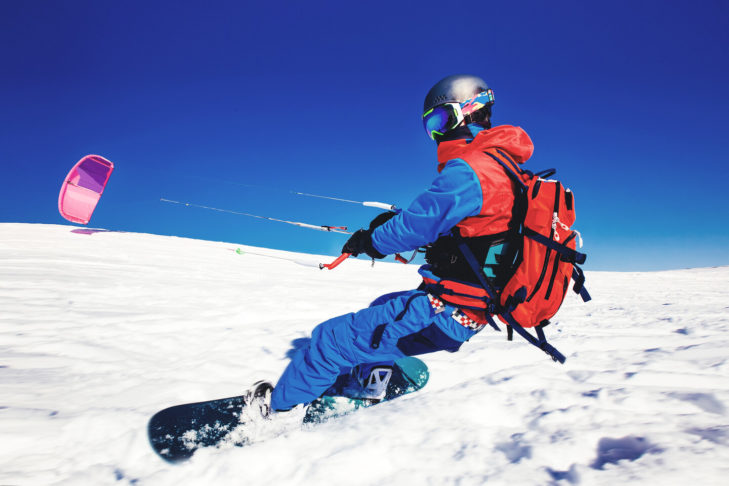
x: 344, y: 256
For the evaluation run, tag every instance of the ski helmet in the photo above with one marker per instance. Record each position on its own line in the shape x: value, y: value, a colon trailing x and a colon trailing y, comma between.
x: 454, y: 99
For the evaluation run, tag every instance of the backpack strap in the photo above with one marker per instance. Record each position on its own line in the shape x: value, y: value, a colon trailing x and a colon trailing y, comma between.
x: 471, y: 259
x: 568, y: 254
x: 545, y: 173
x: 511, y: 167
x: 515, y: 171
x: 579, y: 277
x: 540, y: 341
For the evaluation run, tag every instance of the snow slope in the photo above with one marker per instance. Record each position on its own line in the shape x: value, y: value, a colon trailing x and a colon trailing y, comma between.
x: 98, y: 331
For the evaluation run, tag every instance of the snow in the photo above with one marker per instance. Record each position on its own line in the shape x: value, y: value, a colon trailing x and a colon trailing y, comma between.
x: 101, y: 329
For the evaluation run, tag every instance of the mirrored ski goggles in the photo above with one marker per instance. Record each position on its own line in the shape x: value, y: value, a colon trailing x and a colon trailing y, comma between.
x: 448, y: 116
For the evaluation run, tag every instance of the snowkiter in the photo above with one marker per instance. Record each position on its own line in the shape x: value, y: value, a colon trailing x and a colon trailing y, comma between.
x: 471, y: 199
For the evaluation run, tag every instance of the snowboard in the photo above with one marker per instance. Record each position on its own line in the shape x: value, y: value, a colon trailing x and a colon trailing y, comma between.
x: 175, y: 433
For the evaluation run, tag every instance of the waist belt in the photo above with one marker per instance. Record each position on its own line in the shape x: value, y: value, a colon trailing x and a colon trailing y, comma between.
x: 459, y: 294
x: 458, y: 315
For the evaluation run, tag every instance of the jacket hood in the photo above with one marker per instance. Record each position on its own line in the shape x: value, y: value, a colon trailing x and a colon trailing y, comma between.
x: 510, y: 139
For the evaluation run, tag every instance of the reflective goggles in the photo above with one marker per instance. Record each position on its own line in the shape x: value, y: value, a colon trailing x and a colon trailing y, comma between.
x: 448, y: 116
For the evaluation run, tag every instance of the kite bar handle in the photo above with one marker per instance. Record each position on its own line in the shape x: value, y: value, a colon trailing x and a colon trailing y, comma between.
x: 344, y: 256
x: 333, y: 265
x: 375, y: 204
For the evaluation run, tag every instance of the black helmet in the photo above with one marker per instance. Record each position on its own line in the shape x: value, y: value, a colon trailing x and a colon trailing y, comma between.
x: 454, y: 89
x: 459, y: 88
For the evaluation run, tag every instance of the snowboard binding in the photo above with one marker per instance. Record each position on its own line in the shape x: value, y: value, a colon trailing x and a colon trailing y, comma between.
x: 372, y: 379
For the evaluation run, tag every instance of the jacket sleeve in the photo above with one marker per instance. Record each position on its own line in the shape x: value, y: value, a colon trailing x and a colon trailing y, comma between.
x: 454, y: 195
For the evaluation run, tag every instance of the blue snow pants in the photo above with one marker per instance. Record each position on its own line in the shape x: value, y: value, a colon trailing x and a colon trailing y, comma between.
x: 394, y: 326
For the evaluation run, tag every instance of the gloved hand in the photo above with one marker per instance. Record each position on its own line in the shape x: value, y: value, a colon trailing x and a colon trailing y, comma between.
x: 361, y: 242
x: 381, y: 219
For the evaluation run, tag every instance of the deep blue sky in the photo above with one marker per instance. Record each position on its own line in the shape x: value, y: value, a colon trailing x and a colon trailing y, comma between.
x: 235, y: 104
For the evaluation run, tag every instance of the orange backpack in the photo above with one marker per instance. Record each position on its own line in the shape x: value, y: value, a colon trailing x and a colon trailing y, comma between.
x: 548, y: 258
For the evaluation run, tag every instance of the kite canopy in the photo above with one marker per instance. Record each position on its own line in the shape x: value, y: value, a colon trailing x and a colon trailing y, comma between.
x: 83, y: 187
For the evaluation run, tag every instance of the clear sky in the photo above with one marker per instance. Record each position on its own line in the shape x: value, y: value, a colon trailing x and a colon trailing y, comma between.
x: 236, y: 104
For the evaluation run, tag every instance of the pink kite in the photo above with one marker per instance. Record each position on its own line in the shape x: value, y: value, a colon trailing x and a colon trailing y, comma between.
x: 83, y: 187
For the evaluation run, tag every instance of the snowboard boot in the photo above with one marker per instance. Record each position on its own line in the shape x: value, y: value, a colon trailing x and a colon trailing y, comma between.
x: 373, y: 379
x: 258, y: 400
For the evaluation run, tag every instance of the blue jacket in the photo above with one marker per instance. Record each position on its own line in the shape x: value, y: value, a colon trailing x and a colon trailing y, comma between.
x: 453, y: 196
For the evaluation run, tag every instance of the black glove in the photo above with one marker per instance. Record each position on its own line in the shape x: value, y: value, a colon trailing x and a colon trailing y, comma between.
x: 381, y: 219
x: 361, y: 242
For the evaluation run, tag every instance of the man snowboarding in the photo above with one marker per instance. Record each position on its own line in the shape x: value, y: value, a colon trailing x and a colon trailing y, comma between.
x: 470, y: 201
x: 498, y: 243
